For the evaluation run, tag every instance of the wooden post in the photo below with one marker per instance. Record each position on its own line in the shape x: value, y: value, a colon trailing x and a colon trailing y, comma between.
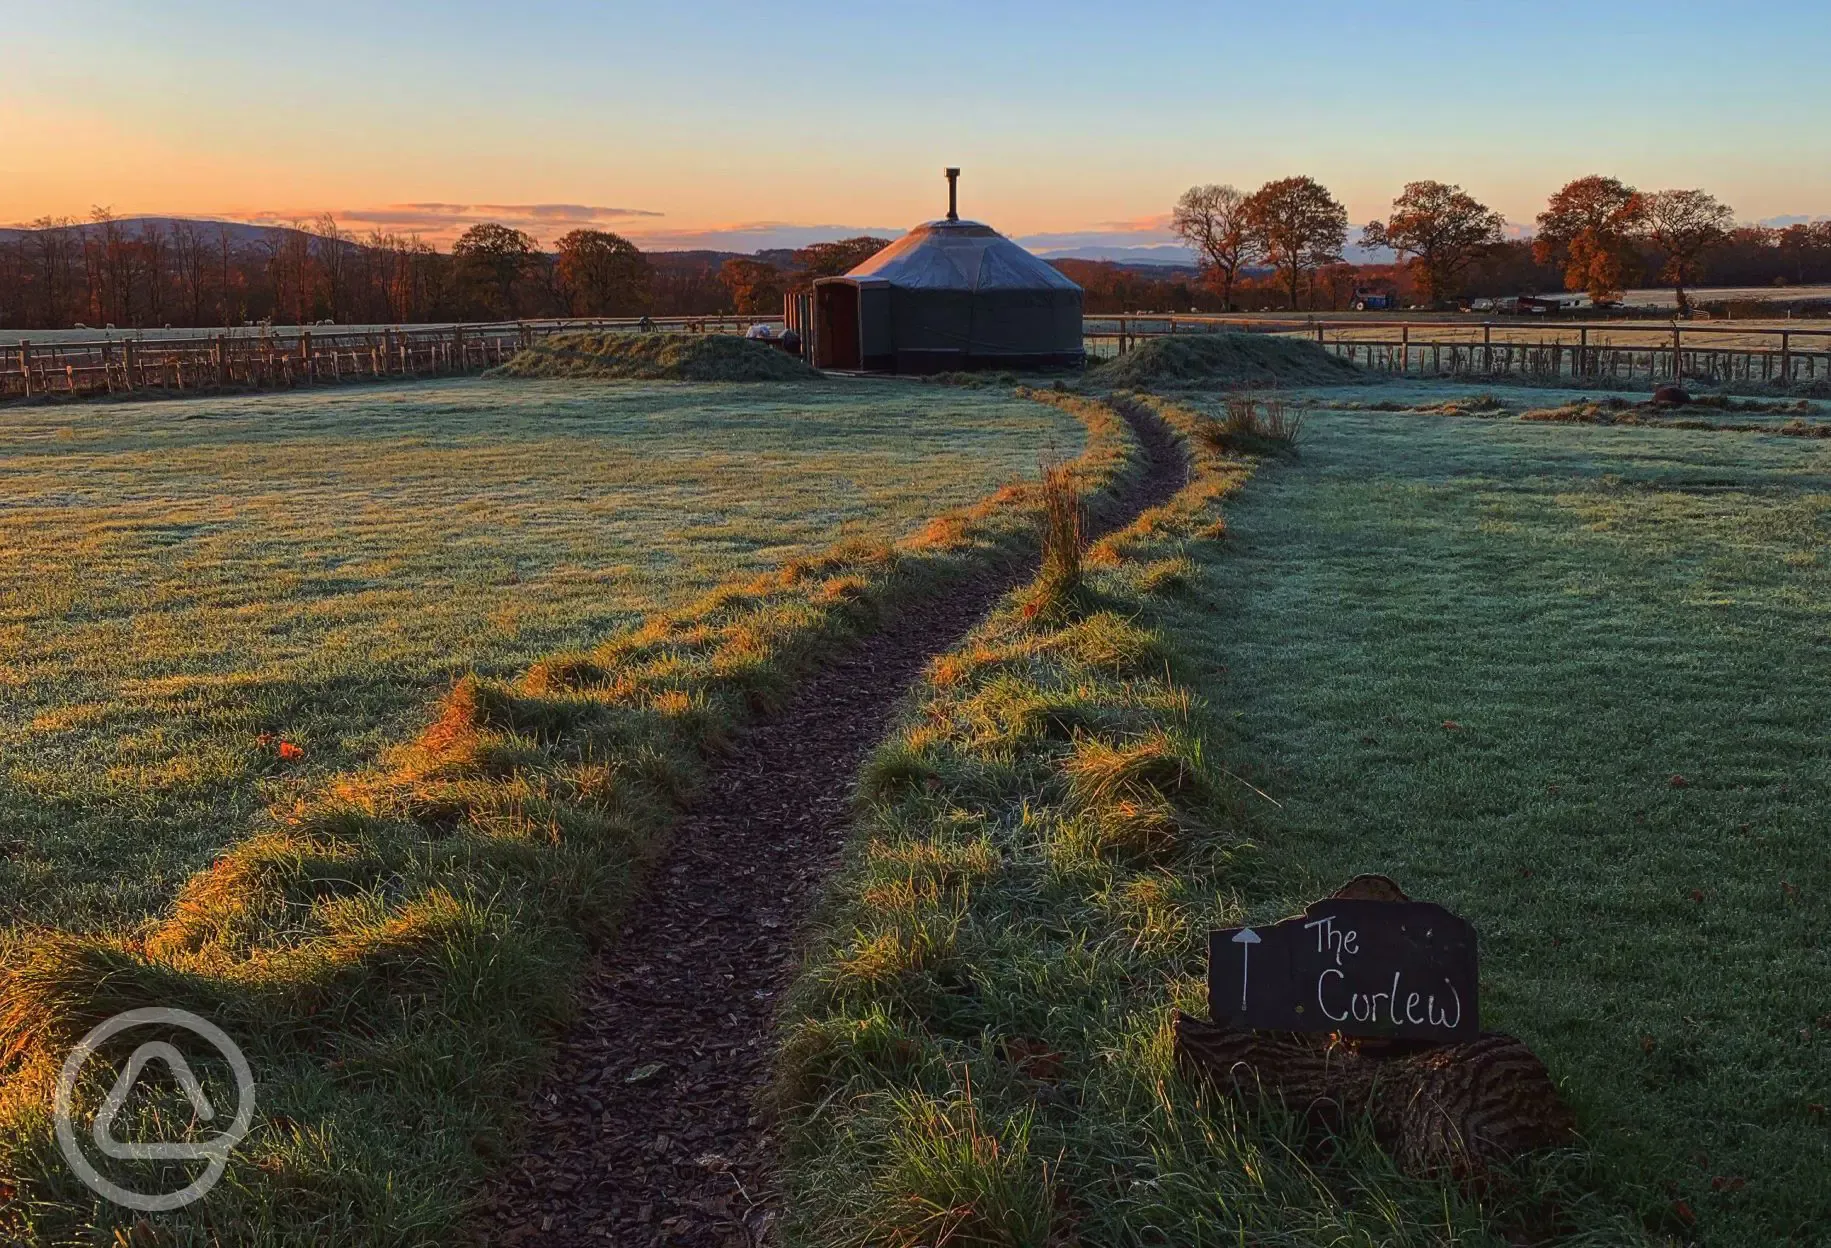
x: 1677, y: 347
x: 25, y: 364
x: 1405, y: 348
x: 1487, y: 347
x: 1786, y: 358
x: 222, y: 360
x: 1582, y: 349
x: 307, y: 364
x: 130, y: 365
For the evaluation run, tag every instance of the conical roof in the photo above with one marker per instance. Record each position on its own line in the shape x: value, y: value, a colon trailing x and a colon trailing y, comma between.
x: 960, y: 255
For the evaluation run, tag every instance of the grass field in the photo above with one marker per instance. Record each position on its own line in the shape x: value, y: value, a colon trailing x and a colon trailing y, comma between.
x: 1569, y: 681
x: 394, y: 949
x: 1628, y: 630
x: 181, y: 578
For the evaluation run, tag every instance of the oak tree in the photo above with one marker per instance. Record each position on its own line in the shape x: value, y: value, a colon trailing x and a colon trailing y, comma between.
x: 1588, y: 227
x: 1298, y: 225
x: 492, y: 259
x: 603, y: 274
x: 836, y: 259
x: 756, y: 287
x: 1684, y: 225
x: 1442, y: 228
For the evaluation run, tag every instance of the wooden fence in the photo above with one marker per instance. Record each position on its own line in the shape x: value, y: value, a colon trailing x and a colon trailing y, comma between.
x: 288, y: 357
x: 321, y: 355
x: 1709, y: 353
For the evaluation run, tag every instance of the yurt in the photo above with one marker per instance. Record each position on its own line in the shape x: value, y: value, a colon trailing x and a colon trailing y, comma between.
x: 948, y: 295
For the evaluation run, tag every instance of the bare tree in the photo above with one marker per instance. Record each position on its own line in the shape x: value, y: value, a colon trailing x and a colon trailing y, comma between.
x: 229, y: 308
x: 1299, y: 227
x: 1684, y: 225
x: 1212, y: 219
x: 332, y: 246
x: 191, y: 262
x: 54, y: 256
x: 149, y: 257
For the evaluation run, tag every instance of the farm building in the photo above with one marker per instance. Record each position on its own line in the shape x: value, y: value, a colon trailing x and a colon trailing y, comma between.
x: 948, y: 295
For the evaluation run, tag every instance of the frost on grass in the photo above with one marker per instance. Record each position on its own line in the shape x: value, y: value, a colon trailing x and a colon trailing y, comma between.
x: 655, y: 357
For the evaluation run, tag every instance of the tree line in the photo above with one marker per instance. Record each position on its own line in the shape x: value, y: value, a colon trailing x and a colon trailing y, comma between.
x: 98, y: 272
x: 1281, y: 245
x: 1597, y: 235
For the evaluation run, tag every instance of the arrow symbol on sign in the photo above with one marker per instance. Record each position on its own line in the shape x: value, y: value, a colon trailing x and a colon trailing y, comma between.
x: 1246, y: 938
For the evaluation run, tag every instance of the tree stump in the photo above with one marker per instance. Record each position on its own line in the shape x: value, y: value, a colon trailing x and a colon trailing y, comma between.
x: 1452, y: 1109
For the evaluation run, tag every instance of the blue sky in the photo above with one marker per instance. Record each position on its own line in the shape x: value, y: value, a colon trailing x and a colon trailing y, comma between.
x: 1072, y: 120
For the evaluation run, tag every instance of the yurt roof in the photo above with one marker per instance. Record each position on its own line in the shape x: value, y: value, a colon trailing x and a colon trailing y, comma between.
x: 960, y: 255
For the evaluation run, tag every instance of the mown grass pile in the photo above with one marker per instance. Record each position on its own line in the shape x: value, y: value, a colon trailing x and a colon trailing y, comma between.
x: 655, y: 357
x: 1223, y: 361
x: 979, y: 1051
x: 391, y: 954
x: 1615, y: 411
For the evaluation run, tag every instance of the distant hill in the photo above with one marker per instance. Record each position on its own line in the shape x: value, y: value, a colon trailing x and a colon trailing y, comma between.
x: 240, y: 233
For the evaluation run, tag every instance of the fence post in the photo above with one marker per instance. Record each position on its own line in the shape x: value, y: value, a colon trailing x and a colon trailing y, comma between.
x: 25, y: 364
x: 1677, y: 347
x: 130, y: 364
x: 308, y: 365
x: 1487, y: 347
x: 1786, y: 358
x: 1405, y: 348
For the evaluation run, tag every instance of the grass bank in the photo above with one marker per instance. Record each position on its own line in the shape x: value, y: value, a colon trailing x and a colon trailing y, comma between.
x: 1556, y: 678
x: 392, y: 950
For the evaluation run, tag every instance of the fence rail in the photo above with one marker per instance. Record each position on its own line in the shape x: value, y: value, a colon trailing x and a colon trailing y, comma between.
x: 325, y: 354
x: 1595, y: 351
x: 290, y: 357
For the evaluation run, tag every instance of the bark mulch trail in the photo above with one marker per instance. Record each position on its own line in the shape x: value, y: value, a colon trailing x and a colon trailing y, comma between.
x: 645, y: 1130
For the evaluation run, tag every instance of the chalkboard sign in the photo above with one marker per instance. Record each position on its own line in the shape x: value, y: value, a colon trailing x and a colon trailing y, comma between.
x: 1399, y: 969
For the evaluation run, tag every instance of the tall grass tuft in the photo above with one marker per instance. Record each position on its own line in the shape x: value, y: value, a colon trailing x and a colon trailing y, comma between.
x: 1255, y: 425
x: 1064, y: 538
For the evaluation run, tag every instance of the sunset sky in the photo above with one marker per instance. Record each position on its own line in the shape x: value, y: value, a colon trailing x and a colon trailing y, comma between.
x: 744, y: 125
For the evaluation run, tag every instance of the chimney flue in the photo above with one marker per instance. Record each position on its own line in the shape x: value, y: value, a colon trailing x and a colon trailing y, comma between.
x: 953, y: 194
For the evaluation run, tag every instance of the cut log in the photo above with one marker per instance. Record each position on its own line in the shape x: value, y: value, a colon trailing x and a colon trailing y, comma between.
x: 1453, y: 1109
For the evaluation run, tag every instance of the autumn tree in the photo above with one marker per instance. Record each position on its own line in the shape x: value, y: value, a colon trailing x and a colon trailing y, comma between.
x: 755, y: 287
x: 603, y: 274
x: 1442, y: 228
x: 1212, y: 220
x: 835, y: 259
x: 1684, y: 225
x: 1298, y: 226
x: 1588, y: 228
x: 492, y: 260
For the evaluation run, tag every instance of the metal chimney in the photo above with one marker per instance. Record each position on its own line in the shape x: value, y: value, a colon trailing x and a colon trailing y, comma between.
x: 953, y: 194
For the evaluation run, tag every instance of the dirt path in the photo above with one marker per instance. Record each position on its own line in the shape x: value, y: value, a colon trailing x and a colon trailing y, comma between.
x: 645, y: 1130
